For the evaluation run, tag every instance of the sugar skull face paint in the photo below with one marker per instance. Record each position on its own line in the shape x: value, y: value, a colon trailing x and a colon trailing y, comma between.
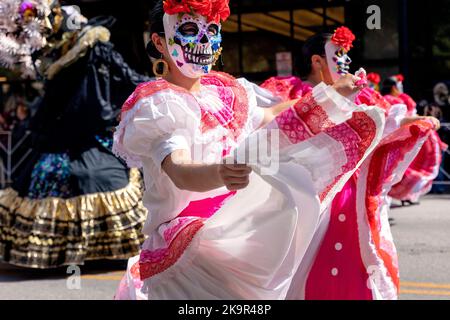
x: 398, y: 84
x: 337, y: 59
x: 192, y: 43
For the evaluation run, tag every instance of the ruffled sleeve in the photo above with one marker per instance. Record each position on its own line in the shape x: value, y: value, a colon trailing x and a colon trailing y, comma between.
x: 327, y: 134
x: 287, y: 88
x: 394, y: 118
x: 156, y: 126
x: 410, y: 103
x: 394, y: 113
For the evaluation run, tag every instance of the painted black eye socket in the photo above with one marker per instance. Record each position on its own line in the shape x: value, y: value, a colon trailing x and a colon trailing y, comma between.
x: 213, y: 29
x: 188, y: 29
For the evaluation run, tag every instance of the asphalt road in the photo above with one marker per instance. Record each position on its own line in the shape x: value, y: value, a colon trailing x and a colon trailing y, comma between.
x: 422, y: 237
x: 421, y: 232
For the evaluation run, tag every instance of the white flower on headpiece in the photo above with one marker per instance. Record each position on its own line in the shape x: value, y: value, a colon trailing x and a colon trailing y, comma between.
x: 9, y: 11
x: 33, y: 33
x: 21, y: 33
x: 9, y: 44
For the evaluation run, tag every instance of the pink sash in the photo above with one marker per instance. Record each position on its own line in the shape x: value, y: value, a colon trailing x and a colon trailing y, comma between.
x: 205, y: 208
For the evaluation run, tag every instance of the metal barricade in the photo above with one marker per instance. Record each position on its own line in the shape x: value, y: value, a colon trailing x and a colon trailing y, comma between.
x: 7, y: 167
x: 445, y: 125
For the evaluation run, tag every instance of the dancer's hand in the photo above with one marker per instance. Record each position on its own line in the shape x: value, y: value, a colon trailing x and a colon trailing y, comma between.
x: 234, y: 176
x: 346, y: 85
x: 199, y: 177
x: 436, y: 122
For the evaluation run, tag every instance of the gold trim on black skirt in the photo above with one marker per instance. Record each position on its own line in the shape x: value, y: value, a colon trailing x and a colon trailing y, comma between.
x: 51, y: 232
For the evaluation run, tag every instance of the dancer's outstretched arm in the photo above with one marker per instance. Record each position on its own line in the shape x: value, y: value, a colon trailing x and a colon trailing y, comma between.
x: 345, y: 86
x: 198, y: 177
x: 436, y: 122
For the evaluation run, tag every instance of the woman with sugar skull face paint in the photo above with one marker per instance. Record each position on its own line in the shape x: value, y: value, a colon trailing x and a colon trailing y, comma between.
x: 352, y: 254
x: 326, y: 60
x: 225, y: 220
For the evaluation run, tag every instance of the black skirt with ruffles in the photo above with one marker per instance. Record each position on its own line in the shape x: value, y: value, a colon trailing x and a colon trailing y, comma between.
x: 73, y: 199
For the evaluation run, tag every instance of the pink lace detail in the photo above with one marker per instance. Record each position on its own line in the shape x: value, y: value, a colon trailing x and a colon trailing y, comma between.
x: 294, y: 128
x: 349, y: 139
x: 170, y: 233
x: 234, y: 96
x: 365, y: 129
x: 147, y: 89
x: 312, y: 114
x: 233, y: 116
x: 152, y: 262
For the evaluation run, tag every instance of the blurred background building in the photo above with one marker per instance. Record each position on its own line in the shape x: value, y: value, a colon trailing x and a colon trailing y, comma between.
x: 413, y: 39
x: 263, y: 38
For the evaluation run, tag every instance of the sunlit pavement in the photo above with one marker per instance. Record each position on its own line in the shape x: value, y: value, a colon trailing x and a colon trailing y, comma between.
x: 422, y: 236
x: 421, y: 232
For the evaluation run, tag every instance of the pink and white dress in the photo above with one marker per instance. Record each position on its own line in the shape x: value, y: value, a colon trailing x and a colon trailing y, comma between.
x: 246, y: 244
x: 352, y: 255
x: 418, y: 178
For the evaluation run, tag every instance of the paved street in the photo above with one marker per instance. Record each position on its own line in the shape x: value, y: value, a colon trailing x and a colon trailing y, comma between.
x: 422, y: 234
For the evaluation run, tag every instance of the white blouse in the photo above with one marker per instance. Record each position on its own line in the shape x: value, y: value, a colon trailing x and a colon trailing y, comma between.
x: 169, y: 120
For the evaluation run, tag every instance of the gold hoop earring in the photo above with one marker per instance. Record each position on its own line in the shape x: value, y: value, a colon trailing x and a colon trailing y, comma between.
x: 217, y: 55
x: 165, y: 68
x: 321, y: 75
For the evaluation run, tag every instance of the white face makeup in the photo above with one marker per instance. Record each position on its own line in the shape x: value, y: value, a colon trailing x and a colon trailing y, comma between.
x: 337, y: 59
x: 399, y: 85
x: 192, y: 43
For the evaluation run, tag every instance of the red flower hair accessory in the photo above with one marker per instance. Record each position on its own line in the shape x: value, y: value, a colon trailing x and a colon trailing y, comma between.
x: 343, y: 37
x: 175, y: 6
x: 374, y: 77
x: 400, y: 78
x: 214, y: 10
x: 220, y: 11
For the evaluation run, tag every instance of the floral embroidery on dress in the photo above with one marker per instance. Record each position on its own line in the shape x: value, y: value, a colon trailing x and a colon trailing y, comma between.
x: 365, y: 129
x: 152, y: 262
x: 170, y: 232
x: 147, y: 89
x: 294, y: 128
x: 349, y: 139
x: 314, y: 116
x: 235, y: 113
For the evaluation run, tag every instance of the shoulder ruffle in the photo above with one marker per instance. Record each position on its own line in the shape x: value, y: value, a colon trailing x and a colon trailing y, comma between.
x: 287, y: 88
x: 156, y: 110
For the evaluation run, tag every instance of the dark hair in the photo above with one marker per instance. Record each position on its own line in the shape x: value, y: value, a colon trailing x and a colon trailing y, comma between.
x: 156, y: 26
x: 387, y: 86
x: 313, y: 45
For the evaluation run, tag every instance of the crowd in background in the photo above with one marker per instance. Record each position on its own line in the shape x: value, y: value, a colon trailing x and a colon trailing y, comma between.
x: 440, y: 111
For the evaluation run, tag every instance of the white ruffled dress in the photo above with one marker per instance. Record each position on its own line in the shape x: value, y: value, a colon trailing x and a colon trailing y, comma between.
x: 253, y: 243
